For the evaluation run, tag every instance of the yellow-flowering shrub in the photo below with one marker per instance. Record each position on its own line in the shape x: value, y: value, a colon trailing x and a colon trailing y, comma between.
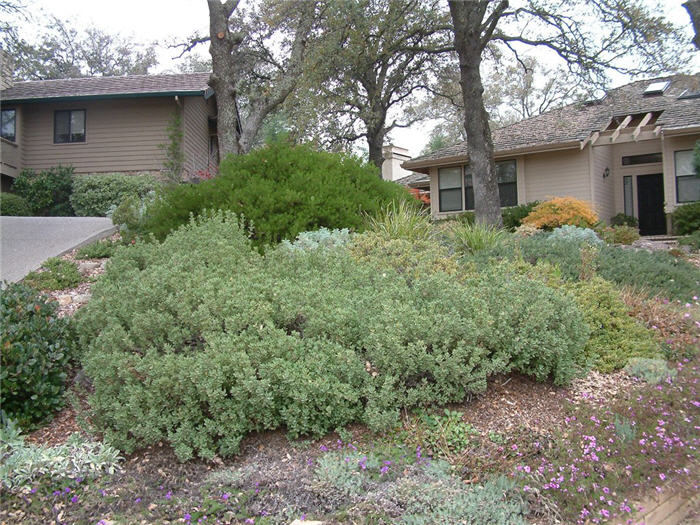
x: 559, y: 211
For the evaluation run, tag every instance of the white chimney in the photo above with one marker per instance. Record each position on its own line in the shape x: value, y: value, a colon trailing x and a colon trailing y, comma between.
x: 393, y: 157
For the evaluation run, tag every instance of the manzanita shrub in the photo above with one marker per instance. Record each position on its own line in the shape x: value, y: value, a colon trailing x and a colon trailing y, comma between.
x: 200, y: 340
x: 35, y: 355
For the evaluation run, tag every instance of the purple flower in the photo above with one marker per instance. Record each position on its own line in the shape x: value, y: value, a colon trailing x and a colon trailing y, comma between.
x: 137, y: 500
x: 169, y: 495
x: 224, y: 496
x: 33, y: 490
x: 187, y: 517
x: 74, y: 499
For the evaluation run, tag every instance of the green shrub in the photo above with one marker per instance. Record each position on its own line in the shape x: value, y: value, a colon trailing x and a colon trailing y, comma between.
x: 513, y: 216
x: 282, y: 190
x: 14, y: 205
x: 652, y: 371
x: 23, y: 464
x: 472, y: 238
x: 95, y: 195
x: 686, y: 218
x: 402, y: 220
x: 200, y: 340
x: 97, y: 250
x: 35, y: 356
x: 622, y: 219
x: 692, y: 240
x: 620, y: 234
x: 130, y: 215
x: 58, y: 274
x: 47, y: 192
x: 574, y: 234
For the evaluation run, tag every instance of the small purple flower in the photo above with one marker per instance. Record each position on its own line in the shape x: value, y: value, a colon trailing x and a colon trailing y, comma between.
x: 225, y: 496
x: 33, y: 490
x: 66, y: 490
x: 74, y: 499
x: 168, y: 496
x: 187, y: 517
x: 137, y: 500
x: 323, y: 448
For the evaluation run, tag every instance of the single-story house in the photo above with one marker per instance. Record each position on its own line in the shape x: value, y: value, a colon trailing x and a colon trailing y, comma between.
x: 106, y: 124
x: 629, y: 152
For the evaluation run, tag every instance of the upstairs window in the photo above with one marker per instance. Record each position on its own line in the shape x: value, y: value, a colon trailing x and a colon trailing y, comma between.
x: 8, y: 118
x: 69, y: 126
x: 687, y: 182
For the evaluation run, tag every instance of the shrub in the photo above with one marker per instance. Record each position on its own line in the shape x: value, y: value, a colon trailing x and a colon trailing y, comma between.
x: 35, y: 355
x: 402, y: 220
x: 559, y: 211
x: 320, y: 239
x: 58, y: 274
x: 692, y: 240
x: 200, y: 340
x: 686, y: 218
x: 23, y: 464
x: 96, y: 250
x: 652, y: 371
x: 14, y: 205
x: 282, y: 190
x: 94, y: 195
x: 513, y: 216
x: 575, y: 234
x: 472, y: 238
x: 130, y: 215
x: 47, y: 192
x: 620, y: 235
x: 622, y: 219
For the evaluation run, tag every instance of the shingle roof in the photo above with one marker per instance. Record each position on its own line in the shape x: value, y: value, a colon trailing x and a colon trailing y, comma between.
x: 98, y: 87
x: 577, y: 121
x: 414, y: 180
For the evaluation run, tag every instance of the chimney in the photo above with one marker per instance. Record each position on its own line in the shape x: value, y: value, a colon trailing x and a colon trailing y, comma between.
x: 393, y: 157
x: 6, y: 70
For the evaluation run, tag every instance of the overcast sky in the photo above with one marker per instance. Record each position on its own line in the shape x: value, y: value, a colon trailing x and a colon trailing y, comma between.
x: 162, y: 21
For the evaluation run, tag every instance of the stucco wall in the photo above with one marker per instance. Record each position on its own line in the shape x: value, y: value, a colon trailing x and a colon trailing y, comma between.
x: 672, y: 144
x: 557, y: 174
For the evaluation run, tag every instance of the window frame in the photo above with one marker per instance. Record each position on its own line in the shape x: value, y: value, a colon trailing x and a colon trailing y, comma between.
x: 70, y: 126
x: 14, y: 127
x: 513, y: 183
x: 465, y: 187
x: 687, y: 175
x: 451, y: 189
x: 628, y: 184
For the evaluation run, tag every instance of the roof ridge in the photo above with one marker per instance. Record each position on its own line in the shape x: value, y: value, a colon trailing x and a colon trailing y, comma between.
x: 101, y: 77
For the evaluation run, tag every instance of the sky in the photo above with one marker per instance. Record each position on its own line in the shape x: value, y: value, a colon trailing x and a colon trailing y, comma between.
x: 166, y: 21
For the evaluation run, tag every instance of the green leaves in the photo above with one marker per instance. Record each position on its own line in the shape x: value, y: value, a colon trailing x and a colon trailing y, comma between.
x: 95, y: 195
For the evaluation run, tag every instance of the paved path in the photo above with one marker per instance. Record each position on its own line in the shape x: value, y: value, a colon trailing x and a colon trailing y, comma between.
x: 26, y: 242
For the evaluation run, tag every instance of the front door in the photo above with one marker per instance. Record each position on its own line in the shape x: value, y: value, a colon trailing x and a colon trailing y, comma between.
x: 650, y: 196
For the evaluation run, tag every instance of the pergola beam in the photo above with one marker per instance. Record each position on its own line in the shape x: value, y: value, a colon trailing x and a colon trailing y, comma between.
x: 622, y: 125
x: 643, y: 123
x: 590, y: 138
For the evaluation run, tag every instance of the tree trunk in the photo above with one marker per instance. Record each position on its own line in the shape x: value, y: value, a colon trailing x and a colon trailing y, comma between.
x: 375, y: 141
x: 693, y: 8
x: 467, y: 18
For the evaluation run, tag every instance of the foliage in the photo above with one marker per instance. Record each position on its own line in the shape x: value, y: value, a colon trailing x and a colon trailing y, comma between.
x: 22, y: 464
x: 322, y: 238
x: 131, y: 216
x: 652, y: 371
x: 35, y: 355
x: 472, y: 238
x: 448, y: 433
x: 575, y: 234
x: 622, y: 219
x: 615, y: 336
x: 692, y: 240
x: 95, y: 195
x: 47, y: 192
x: 233, y: 342
x: 402, y: 220
x: 174, y: 162
x: 620, y: 234
x: 513, y: 216
x: 57, y: 274
x: 282, y: 190
x: 686, y: 218
x: 14, y: 205
x: 560, y: 211
x: 526, y: 231
x: 101, y: 249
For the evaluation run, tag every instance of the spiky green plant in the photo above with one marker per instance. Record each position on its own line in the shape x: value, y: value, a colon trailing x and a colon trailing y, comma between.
x: 402, y: 220
x: 473, y: 238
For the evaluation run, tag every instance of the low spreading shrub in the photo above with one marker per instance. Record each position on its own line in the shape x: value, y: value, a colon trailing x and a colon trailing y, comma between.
x: 94, y: 195
x: 200, y: 340
x: 22, y: 464
x: 686, y: 218
x: 47, y: 192
x: 320, y: 239
x: 57, y: 274
x: 14, y: 205
x: 620, y: 234
x: 622, y: 219
x: 652, y: 371
x: 513, y: 216
x: 560, y: 211
x: 35, y: 355
x: 130, y: 215
x: 575, y: 234
x: 282, y: 190
x: 96, y: 250
x: 692, y: 240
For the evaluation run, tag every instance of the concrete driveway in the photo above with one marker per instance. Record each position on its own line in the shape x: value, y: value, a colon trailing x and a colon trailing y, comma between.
x: 26, y: 242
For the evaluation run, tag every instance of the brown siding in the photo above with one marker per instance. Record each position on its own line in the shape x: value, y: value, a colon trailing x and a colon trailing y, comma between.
x: 196, y: 134
x: 121, y: 135
x: 557, y: 174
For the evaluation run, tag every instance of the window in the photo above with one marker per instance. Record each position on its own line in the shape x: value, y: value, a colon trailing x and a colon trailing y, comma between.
x: 69, y: 126
x: 648, y: 158
x: 450, y: 189
x: 9, y: 124
x: 627, y: 187
x: 687, y: 182
x: 468, y: 190
x: 506, y: 172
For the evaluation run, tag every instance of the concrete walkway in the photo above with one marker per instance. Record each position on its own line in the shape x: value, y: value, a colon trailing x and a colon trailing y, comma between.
x: 26, y: 242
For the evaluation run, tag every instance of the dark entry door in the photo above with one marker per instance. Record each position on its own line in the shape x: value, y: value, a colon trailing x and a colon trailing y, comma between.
x: 650, y: 196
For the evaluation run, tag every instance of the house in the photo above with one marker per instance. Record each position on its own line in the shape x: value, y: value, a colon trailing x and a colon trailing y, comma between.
x: 629, y: 152
x: 106, y: 124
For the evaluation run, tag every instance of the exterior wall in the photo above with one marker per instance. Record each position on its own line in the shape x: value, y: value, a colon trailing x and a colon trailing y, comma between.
x: 620, y: 171
x: 604, y: 189
x: 557, y: 174
x: 671, y: 144
x: 196, y: 134
x: 121, y: 135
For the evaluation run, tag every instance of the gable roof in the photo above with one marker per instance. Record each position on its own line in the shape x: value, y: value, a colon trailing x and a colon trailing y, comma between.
x: 574, y: 123
x: 107, y: 87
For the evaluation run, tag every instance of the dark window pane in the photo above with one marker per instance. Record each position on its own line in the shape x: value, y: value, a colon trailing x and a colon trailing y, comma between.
x: 506, y: 171
x: 77, y: 126
x: 9, y: 123
x: 627, y: 186
x: 508, y: 194
x: 688, y: 188
x: 61, y: 130
x: 451, y: 200
x: 469, y: 198
x: 648, y: 158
